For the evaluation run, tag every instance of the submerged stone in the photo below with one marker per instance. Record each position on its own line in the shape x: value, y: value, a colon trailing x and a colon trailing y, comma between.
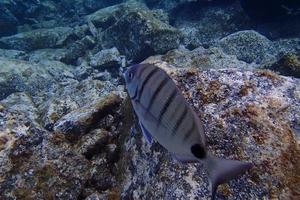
x: 106, y: 58
x: 139, y: 35
x: 76, y: 123
x: 23, y: 76
x: 288, y: 65
x: 248, y: 46
x: 37, y: 39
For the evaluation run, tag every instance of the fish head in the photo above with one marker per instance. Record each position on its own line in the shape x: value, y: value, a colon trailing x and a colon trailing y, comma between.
x: 131, y: 79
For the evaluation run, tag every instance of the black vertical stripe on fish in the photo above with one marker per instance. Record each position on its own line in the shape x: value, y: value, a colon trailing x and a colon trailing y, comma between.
x: 156, y: 92
x: 189, y: 132
x: 141, y: 71
x: 139, y: 74
x: 180, y: 120
x: 144, y: 83
x: 167, y: 104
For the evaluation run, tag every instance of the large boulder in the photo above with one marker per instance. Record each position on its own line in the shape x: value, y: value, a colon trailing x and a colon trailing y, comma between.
x: 23, y: 76
x: 68, y: 55
x: 93, y: 5
x: 33, y: 164
x: 13, y: 54
x: 288, y: 65
x: 37, y: 39
x: 170, y: 5
x: 37, y: 164
x: 212, y: 58
x: 248, y: 46
x: 34, y: 14
x: 252, y: 47
x: 106, y: 58
x: 203, y: 24
x: 139, y: 35
x: 106, y: 17
x: 74, y: 94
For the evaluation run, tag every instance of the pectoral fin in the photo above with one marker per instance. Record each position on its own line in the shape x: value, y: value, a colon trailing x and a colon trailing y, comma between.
x: 146, y: 134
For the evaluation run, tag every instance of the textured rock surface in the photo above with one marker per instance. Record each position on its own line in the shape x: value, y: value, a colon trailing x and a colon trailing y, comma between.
x: 139, y: 35
x: 48, y: 54
x: 38, y: 164
x: 202, y: 24
x: 74, y: 95
x: 248, y: 46
x: 37, y: 39
x: 106, y: 17
x: 106, y: 58
x: 32, y: 165
x: 33, y: 14
x: 13, y: 54
x: 200, y: 58
x: 78, y: 122
x: 19, y: 76
x: 288, y: 65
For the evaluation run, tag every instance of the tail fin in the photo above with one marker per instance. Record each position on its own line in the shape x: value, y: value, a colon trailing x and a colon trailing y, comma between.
x: 222, y: 170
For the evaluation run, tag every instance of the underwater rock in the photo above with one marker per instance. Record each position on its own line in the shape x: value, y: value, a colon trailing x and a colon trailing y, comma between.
x: 139, y: 35
x: 76, y: 123
x: 248, y: 115
x: 106, y: 58
x: 78, y: 49
x: 21, y: 102
x: 32, y: 166
x: 35, y: 163
x: 83, y: 71
x: 23, y: 76
x: 37, y: 39
x: 68, y: 55
x: 288, y: 65
x: 72, y: 95
x: 205, y: 25
x: 170, y: 5
x: 92, y: 142
x: 48, y: 54
x: 13, y: 54
x: 96, y: 196
x: 248, y: 46
x: 106, y: 17
x: 212, y: 58
x: 93, y: 5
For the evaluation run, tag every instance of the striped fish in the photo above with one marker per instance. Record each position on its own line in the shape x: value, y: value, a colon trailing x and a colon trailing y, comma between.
x: 165, y: 115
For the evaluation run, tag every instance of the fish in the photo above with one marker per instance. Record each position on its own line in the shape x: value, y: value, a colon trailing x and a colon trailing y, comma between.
x: 164, y: 115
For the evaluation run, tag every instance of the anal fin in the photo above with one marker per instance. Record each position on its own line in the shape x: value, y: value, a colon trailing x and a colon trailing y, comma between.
x: 184, y: 159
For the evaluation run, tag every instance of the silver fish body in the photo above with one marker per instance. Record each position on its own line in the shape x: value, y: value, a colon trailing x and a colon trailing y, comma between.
x: 164, y: 114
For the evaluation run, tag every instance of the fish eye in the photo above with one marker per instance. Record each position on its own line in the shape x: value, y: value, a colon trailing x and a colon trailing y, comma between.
x: 130, y: 75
